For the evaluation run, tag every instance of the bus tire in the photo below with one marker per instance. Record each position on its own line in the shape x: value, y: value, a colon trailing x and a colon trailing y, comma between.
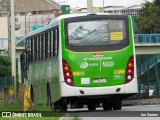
x: 107, y: 105
x: 60, y: 106
x: 63, y: 106
x: 91, y: 107
x: 48, y: 97
x: 55, y: 107
x: 32, y: 96
x: 117, y: 104
x: 79, y: 106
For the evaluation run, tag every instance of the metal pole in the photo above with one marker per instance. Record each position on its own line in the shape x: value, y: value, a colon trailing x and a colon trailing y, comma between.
x: 103, y: 6
x: 19, y: 71
x: 9, y: 31
x: 90, y: 6
x: 157, y: 76
x: 139, y: 83
x: 148, y: 72
x: 25, y: 24
x: 13, y: 45
x: 25, y: 17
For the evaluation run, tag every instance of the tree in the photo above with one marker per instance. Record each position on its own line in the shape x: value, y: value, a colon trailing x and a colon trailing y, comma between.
x: 149, y: 19
x: 157, y: 2
x: 5, y: 66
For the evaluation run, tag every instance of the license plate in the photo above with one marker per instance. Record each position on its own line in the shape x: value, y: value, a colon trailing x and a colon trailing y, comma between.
x: 99, y: 80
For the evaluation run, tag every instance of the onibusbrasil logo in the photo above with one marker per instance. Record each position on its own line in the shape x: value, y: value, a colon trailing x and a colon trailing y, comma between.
x: 84, y: 65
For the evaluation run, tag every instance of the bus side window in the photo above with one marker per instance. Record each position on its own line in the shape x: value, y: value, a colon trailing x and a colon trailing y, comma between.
x: 35, y: 48
x: 42, y: 47
x: 32, y: 49
x: 50, y: 44
x: 29, y: 52
x: 56, y: 41
x: 46, y: 45
x: 28, y: 49
x: 39, y: 48
x: 52, y: 41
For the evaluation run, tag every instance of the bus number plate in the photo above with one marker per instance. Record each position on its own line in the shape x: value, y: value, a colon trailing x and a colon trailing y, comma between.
x: 99, y: 80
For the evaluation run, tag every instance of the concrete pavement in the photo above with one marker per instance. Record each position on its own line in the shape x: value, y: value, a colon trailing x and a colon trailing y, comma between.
x: 144, y: 101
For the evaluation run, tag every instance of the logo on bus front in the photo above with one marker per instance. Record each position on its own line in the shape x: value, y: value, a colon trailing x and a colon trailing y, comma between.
x: 108, y: 63
x: 84, y: 65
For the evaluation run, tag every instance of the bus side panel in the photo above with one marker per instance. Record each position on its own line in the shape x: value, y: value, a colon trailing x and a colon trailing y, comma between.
x: 65, y: 90
x: 54, y: 83
x: 53, y: 79
x: 132, y: 87
x: 42, y: 73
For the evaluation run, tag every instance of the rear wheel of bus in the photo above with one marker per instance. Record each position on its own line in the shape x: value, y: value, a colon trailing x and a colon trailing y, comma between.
x: 60, y: 106
x: 117, y: 104
x: 107, y: 104
x: 92, y: 106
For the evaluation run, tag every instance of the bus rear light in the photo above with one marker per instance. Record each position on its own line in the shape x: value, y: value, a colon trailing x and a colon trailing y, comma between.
x: 130, y: 65
x: 130, y: 70
x: 66, y: 68
x: 68, y: 74
x: 68, y: 78
x: 129, y: 77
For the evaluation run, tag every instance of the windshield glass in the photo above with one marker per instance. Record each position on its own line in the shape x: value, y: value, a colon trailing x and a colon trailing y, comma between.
x: 96, y: 32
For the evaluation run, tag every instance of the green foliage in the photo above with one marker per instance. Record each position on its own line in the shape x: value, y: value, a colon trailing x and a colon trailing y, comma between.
x: 5, y: 66
x: 8, y: 107
x: 149, y: 20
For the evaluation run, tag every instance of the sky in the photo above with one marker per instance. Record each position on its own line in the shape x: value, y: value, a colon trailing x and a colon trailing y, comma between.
x: 99, y: 3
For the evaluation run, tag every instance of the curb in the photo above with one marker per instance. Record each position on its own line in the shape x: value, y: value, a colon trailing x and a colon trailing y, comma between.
x: 149, y: 101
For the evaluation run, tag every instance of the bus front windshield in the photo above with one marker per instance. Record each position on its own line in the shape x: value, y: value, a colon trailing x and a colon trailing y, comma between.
x: 96, y: 32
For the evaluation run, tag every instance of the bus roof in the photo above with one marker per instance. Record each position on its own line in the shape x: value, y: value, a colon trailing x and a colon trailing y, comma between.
x: 55, y: 22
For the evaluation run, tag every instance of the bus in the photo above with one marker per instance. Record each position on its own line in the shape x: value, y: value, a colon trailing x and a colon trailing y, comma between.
x: 82, y: 59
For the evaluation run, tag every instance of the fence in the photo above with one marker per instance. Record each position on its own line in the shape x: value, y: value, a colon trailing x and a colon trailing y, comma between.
x: 6, y: 81
x: 147, y: 38
x: 4, y: 42
x: 147, y: 64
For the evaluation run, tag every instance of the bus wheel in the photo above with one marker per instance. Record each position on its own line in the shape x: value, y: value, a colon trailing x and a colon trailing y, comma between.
x: 91, y: 107
x: 117, y: 104
x: 107, y: 105
x: 48, y: 100
x: 56, y: 107
x: 79, y: 106
x: 60, y: 107
x: 63, y: 107
x: 32, y: 96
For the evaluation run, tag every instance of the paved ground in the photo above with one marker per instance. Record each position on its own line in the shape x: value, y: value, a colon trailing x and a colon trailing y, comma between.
x: 146, y: 101
x: 136, y: 111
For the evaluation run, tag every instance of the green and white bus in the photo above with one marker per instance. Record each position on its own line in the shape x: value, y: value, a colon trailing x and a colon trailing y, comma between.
x: 82, y: 59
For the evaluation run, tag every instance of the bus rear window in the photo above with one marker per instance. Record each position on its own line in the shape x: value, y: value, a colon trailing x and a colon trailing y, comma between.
x: 97, y: 32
